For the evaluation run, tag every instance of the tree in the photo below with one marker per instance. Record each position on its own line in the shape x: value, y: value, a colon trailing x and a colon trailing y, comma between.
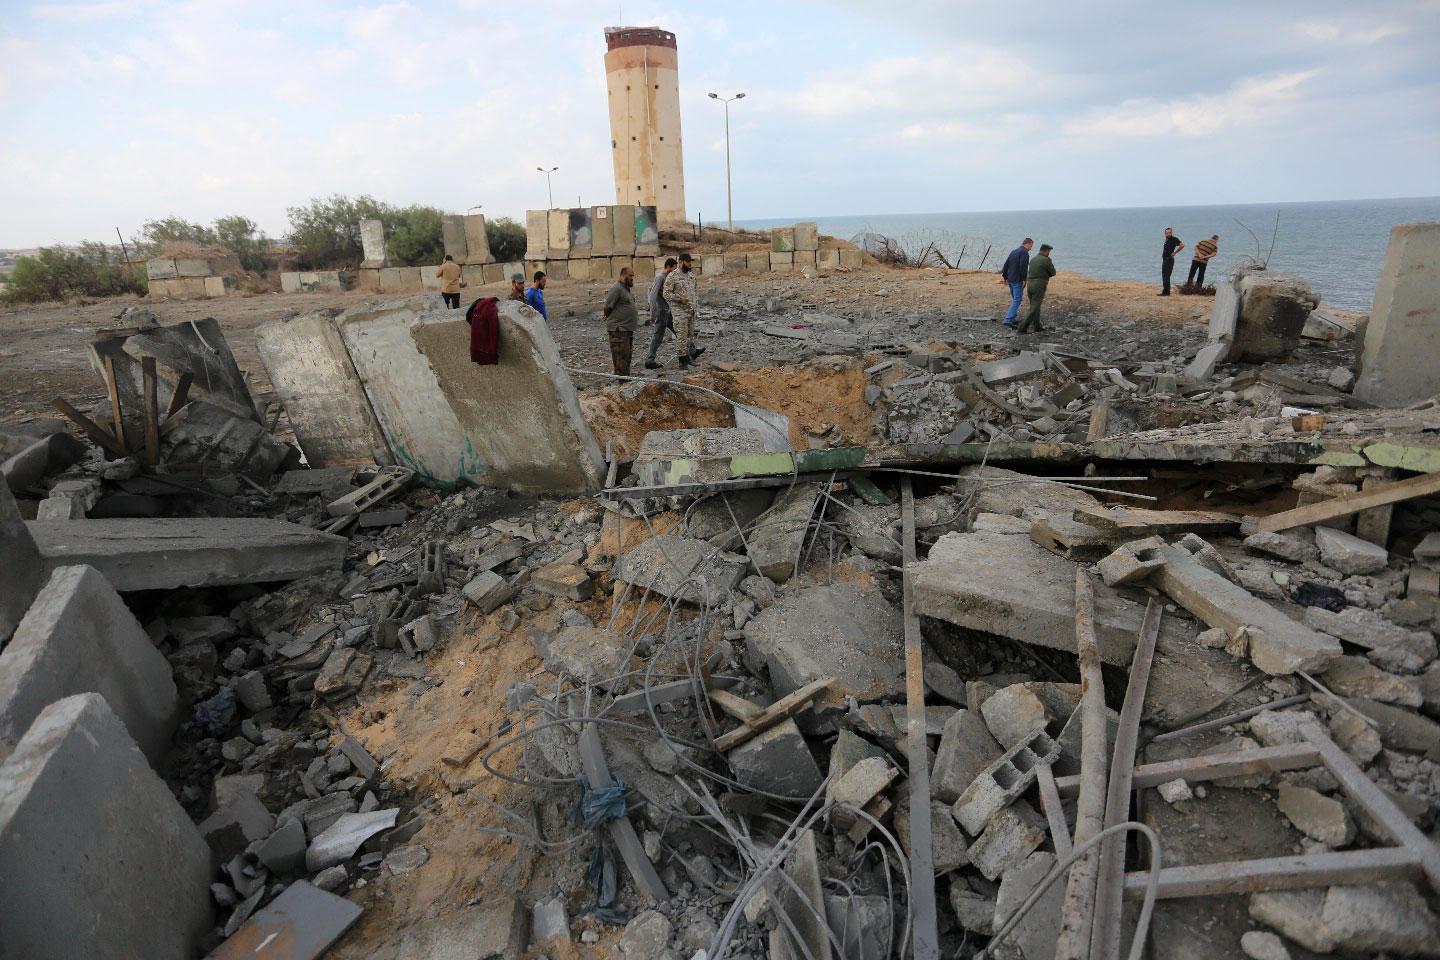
x: 155, y: 234
x: 242, y: 237
x: 57, y: 273
x: 417, y: 236
x: 506, y: 238
x: 325, y: 233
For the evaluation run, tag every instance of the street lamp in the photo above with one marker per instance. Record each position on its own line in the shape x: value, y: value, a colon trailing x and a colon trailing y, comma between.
x: 548, y: 189
x: 729, y: 204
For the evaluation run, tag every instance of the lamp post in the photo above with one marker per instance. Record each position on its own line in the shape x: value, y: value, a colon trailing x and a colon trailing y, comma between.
x: 548, y: 190
x: 729, y: 204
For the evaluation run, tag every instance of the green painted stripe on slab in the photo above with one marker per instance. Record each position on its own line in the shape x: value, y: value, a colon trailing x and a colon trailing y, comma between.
x: 761, y: 465
x: 1419, y: 459
x: 1339, y: 458
x: 838, y: 458
x: 864, y: 488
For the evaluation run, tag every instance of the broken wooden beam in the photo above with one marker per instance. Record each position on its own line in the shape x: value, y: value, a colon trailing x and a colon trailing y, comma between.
x: 181, y: 394
x: 1138, y: 522
x: 152, y: 411
x: 1424, y: 485
x: 738, y: 707
x: 98, y: 435
x: 779, y: 711
x: 112, y: 386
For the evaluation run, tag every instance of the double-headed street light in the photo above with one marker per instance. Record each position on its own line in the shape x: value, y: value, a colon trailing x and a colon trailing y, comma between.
x: 729, y: 203
x: 549, y: 191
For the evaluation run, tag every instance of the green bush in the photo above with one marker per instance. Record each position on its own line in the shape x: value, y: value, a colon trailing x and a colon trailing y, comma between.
x: 58, y: 273
x: 506, y: 238
x: 414, y: 236
x: 325, y: 233
x: 243, y: 238
x: 155, y: 234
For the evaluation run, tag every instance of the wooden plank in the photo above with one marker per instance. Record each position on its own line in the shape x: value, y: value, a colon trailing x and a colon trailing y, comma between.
x: 1424, y: 485
x: 97, y: 434
x: 152, y: 411
x: 925, y: 943
x: 113, y: 386
x: 779, y: 711
x: 1280, y: 873
x: 1141, y: 522
x: 1215, y: 766
x: 1381, y: 808
x: 738, y: 707
x: 181, y: 395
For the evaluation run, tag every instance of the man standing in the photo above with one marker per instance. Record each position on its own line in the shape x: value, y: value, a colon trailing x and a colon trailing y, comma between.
x: 535, y: 294
x: 684, y: 300
x: 660, y: 313
x: 1204, y: 251
x: 1037, y: 278
x: 1013, y: 274
x: 517, y: 287
x: 449, y: 274
x: 621, y: 318
x: 1173, y: 245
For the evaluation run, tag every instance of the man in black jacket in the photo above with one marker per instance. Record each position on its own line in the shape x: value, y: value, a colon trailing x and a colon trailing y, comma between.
x: 1013, y: 274
x: 1173, y: 245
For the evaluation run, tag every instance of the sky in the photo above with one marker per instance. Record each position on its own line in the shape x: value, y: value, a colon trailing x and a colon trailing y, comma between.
x: 118, y: 111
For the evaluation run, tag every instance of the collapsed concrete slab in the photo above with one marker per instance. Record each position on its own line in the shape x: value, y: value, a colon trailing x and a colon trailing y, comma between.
x: 1402, y: 339
x: 1007, y: 585
x: 778, y: 537
x: 100, y: 859
x: 1269, y: 317
x: 846, y: 631
x: 26, y: 458
x: 694, y: 455
x: 21, y: 569
x: 311, y: 371
x: 78, y: 637
x: 516, y: 423
x: 683, y: 568
x: 165, y: 553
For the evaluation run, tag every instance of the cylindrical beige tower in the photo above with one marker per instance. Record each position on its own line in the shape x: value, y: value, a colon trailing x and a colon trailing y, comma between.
x: 643, y: 80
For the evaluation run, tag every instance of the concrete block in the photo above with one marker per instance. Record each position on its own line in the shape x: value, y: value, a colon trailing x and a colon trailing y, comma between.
x: 557, y: 269
x: 372, y: 243
x: 1349, y: 554
x: 190, y: 288
x: 736, y: 262
x: 452, y: 231
x: 557, y: 236
x: 602, y: 240
x: 712, y: 264
x: 477, y: 241
x: 1014, y: 714
x: 781, y: 262
x: 161, y: 268
x: 289, y: 281
x: 1006, y: 778
x: 391, y: 280
x: 586, y: 269
x: 548, y: 918
x: 368, y: 279
x: 669, y: 564
x: 1131, y: 563
x: 966, y: 749
x: 757, y: 262
x: 1273, y: 311
x: 192, y: 267
x: 508, y: 270
x: 429, y: 280
x: 777, y: 537
x: 779, y: 761
x: 478, y: 275
x: 645, y: 269
x: 164, y: 552
x: 624, y: 237
x: 827, y: 259
x: 79, y: 637
x: 487, y: 591
x: 1397, y: 364
x: 948, y: 847
x: 497, y: 929
x: 564, y: 580
x: 1377, y: 918
x: 100, y: 859
x: 537, y: 234
x: 619, y: 263
x: 21, y: 569
x: 782, y: 239
x: 804, y: 260
x: 1012, y: 835
x: 850, y: 259
x: 807, y: 236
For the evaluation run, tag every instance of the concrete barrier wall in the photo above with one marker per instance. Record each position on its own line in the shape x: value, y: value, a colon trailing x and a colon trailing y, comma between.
x: 79, y: 637
x: 311, y: 281
x: 21, y: 570
x: 99, y: 858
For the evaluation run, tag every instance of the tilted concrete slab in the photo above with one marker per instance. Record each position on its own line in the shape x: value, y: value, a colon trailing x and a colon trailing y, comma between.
x: 79, y: 637
x: 311, y: 371
x: 1011, y: 586
x: 1402, y: 340
x: 21, y: 569
x: 100, y: 859
x: 165, y: 553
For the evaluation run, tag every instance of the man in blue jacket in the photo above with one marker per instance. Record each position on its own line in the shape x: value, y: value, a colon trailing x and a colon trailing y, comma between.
x: 535, y: 294
x: 1017, y: 266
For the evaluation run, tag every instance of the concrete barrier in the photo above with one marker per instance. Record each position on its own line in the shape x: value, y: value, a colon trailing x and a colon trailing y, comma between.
x: 79, y: 637
x: 100, y: 861
x: 21, y: 569
x: 1402, y: 340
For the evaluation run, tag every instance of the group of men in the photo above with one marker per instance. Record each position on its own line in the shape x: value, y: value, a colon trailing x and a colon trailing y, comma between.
x: 1205, y: 251
x: 674, y: 306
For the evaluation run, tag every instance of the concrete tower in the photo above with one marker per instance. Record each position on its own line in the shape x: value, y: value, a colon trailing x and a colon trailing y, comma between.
x: 643, y: 79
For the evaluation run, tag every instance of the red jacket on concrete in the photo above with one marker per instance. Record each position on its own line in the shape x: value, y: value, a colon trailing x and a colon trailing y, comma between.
x: 484, y: 320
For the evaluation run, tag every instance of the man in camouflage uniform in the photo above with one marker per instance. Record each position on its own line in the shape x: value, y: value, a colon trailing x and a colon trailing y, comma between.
x: 684, y: 300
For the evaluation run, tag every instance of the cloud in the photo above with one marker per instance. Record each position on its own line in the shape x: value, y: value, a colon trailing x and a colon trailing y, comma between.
x: 81, y: 12
x: 1249, y: 102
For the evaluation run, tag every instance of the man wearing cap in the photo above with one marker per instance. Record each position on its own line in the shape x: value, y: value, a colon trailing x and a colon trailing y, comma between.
x: 535, y: 294
x: 621, y: 319
x: 660, y: 313
x: 517, y: 287
x: 684, y: 300
x: 1037, y: 278
x: 1013, y: 274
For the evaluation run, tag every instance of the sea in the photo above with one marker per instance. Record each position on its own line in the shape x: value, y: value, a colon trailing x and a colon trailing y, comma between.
x: 1337, y: 246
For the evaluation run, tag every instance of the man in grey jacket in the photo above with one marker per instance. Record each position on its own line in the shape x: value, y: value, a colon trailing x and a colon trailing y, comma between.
x: 659, y: 313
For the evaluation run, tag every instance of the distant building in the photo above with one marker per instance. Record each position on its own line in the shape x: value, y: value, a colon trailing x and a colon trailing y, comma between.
x: 643, y: 80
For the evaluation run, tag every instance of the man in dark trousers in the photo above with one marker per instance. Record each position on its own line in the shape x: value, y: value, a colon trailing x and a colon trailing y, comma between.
x: 1013, y: 274
x: 450, y: 282
x: 1173, y: 245
x: 659, y: 312
x: 1037, y: 278
x: 621, y: 319
x: 1204, y: 251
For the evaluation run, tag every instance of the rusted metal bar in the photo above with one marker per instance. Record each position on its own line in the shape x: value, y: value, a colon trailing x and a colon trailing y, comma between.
x: 97, y: 434
x: 1282, y: 873
x: 1077, y: 913
x: 924, y: 922
x: 152, y: 411
x: 1380, y: 807
x: 1054, y: 813
x: 1228, y: 719
x: 181, y: 394
x: 1109, y: 883
x: 1216, y: 766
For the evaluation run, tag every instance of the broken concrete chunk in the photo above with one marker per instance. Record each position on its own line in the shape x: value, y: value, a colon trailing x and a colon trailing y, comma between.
x: 1372, y: 631
x: 564, y: 580
x: 1175, y: 791
x: 1014, y: 714
x: 777, y: 761
x: 497, y: 929
x: 1130, y: 563
x: 997, y: 490
x: 966, y: 748
x: 1290, y: 545
x: 584, y: 654
x: 948, y: 846
x: 1316, y: 815
x: 343, y: 673
x: 1353, y: 919
x: 1004, y: 780
x: 1348, y: 553
x: 1008, y: 839
x: 487, y: 591
x: 1358, y: 677
x: 646, y: 936
x: 340, y: 840
x: 1036, y: 934
x: 975, y: 912
x: 777, y: 538
x: 860, y: 784
x: 861, y: 925
x: 683, y: 568
x: 549, y: 921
